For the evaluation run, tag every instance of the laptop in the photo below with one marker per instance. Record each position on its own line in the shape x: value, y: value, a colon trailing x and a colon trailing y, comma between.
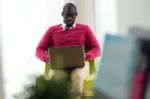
x: 66, y: 57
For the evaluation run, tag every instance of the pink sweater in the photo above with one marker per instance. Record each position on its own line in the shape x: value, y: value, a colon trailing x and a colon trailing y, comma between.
x: 80, y: 35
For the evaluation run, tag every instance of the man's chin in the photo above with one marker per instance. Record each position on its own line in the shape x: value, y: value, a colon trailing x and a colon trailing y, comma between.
x: 69, y: 25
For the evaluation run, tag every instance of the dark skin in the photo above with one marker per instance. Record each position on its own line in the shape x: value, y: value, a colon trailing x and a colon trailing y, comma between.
x: 69, y: 14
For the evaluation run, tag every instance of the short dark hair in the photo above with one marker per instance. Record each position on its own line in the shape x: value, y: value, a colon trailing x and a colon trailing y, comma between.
x: 69, y: 6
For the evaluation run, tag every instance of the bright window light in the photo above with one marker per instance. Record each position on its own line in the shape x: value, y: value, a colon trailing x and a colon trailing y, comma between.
x: 23, y: 24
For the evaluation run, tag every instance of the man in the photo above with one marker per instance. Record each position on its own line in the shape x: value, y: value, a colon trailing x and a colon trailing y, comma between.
x: 70, y: 33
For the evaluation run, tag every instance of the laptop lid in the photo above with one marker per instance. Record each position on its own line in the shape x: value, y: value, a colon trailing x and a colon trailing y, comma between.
x: 66, y: 57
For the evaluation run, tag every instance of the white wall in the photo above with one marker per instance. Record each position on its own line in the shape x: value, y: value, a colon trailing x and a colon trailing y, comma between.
x: 86, y: 12
x: 1, y: 80
x: 70, y: 1
x: 1, y: 76
x: 133, y: 13
x: 105, y: 18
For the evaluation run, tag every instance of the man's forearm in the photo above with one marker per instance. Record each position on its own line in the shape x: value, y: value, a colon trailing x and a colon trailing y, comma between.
x: 42, y: 55
x: 92, y: 54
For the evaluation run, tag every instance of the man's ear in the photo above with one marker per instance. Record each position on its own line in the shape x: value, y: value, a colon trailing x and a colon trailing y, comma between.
x: 62, y: 13
x: 76, y: 13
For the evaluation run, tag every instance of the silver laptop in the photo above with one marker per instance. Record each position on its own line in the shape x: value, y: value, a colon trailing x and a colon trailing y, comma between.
x: 66, y: 57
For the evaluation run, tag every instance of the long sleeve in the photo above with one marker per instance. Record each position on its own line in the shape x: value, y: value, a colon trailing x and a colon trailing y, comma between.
x: 45, y: 42
x: 92, y: 44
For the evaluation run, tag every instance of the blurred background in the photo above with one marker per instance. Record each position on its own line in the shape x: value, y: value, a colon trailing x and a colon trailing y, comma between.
x: 23, y: 22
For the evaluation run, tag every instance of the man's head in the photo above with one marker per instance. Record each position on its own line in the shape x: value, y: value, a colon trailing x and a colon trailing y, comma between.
x: 69, y: 14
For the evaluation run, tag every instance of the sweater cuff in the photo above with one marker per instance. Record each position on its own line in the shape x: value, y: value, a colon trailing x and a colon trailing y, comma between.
x: 87, y: 57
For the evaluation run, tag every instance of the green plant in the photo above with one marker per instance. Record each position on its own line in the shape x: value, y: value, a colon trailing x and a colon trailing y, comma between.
x: 46, y: 89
